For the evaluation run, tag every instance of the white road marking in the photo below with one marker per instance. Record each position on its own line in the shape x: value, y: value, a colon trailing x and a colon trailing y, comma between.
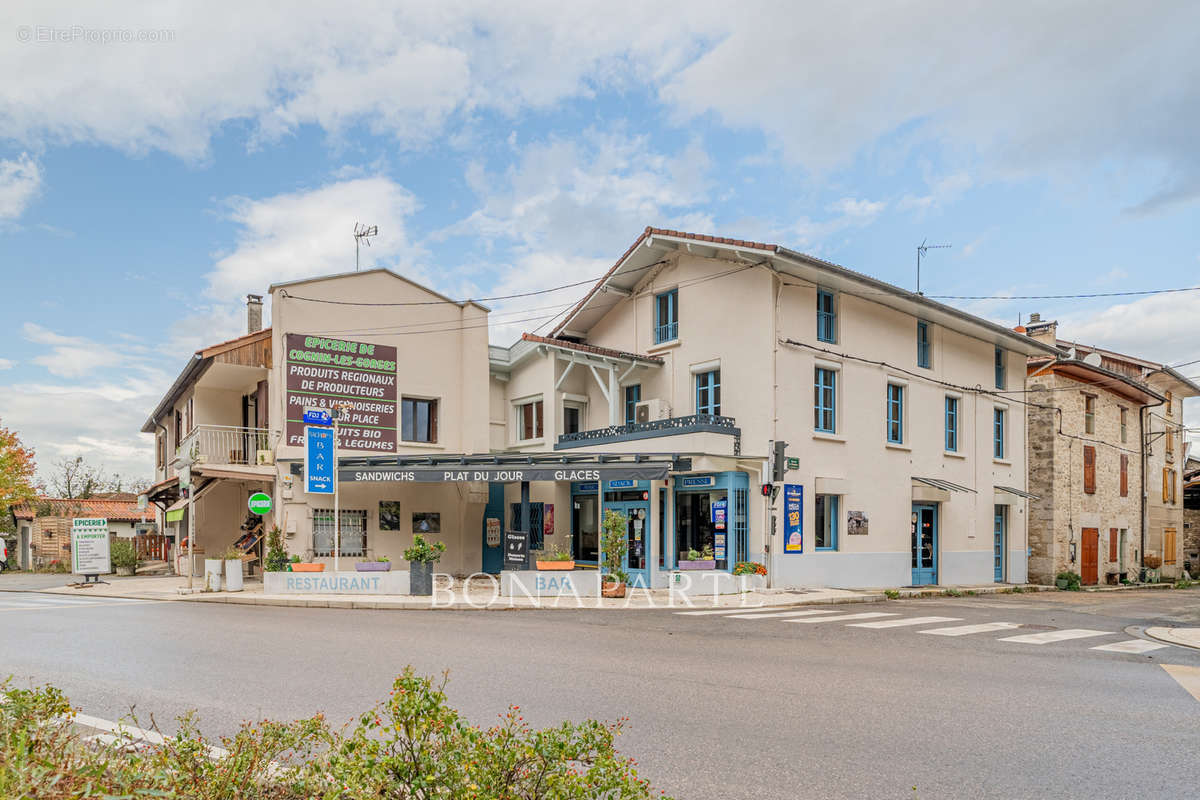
x: 1131, y: 646
x: 900, y: 623
x: 1187, y: 677
x: 56, y: 603
x: 721, y: 611
x: 841, y: 617
x: 1049, y: 637
x: 132, y: 734
x: 778, y: 614
x: 965, y: 630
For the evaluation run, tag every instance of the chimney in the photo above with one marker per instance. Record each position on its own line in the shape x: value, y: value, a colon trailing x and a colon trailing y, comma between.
x: 253, y: 313
x: 1035, y: 318
x: 1045, y: 331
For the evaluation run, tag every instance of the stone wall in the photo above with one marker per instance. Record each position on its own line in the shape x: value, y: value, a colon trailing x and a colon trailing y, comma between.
x: 1056, y: 475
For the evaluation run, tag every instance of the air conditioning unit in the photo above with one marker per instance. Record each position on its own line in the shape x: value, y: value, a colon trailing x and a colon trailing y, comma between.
x: 264, y: 458
x: 651, y: 410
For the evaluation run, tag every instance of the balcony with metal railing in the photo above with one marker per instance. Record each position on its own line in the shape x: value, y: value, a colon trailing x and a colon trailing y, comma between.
x: 223, y: 444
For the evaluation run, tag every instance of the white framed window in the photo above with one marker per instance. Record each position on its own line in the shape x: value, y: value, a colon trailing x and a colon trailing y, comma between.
x: 530, y: 419
x: 574, y: 413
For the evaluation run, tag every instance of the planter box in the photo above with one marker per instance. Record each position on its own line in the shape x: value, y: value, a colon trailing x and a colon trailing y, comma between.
x: 212, y: 574
x: 555, y: 565
x: 709, y: 564
x: 709, y: 583
x: 351, y: 583
x: 233, y: 575
x: 124, y: 571
x: 373, y: 566
x: 550, y: 583
x: 308, y: 567
x: 420, y: 582
x: 612, y: 590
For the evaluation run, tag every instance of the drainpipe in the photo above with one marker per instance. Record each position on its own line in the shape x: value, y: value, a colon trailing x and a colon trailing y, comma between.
x: 1142, y: 449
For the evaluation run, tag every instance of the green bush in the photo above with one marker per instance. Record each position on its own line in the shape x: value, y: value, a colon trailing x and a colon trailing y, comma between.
x: 1073, y: 579
x: 423, y: 552
x: 615, y: 543
x: 891, y: 594
x: 277, y: 558
x: 411, y: 747
x: 123, y: 553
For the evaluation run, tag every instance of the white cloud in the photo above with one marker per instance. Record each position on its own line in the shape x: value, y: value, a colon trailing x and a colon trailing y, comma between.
x: 7, y: 363
x: 310, y: 232
x: 1163, y: 328
x: 20, y: 181
x: 942, y: 192
x: 849, y: 212
x: 69, y: 356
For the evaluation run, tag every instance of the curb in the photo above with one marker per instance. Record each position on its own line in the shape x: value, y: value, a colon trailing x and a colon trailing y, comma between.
x: 1167, y: 636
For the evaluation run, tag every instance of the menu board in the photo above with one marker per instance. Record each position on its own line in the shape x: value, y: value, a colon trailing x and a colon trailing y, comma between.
x: 323, y: 373
x: 89, y: 546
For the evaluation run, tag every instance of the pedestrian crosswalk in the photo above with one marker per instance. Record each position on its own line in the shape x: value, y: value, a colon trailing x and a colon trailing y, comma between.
x: 888, y: 620
x: 12, y: 602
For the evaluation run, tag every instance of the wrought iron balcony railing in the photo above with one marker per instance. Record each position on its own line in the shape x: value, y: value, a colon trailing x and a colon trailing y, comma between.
x: 696, y: 423
x: 223, y: 444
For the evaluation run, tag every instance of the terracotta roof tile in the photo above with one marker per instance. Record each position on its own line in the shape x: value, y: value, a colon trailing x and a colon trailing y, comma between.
x: 113, y: 510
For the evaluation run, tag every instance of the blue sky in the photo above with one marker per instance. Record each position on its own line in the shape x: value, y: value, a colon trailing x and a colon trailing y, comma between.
x: 146, y: 186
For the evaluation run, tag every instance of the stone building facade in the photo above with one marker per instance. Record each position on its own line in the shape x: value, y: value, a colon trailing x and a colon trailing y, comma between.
x: 1106, y: 453
x: 1191, y: 516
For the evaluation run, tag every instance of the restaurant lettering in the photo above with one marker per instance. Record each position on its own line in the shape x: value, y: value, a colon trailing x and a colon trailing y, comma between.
x: 359, y: 376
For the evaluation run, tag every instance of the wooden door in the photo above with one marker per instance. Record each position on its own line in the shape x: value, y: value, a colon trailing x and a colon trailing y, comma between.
x: 1090, y: 562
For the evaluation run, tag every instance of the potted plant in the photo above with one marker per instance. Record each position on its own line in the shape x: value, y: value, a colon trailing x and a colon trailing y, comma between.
x: 305, y: 566
x: 383, y: 564
x: 277, y: 558
x: 749, y: 568
x: 124, y: 557
x: 1069, y: 581
x: 615, y: 542
x: 699, y: 559
x: 559, y: 558
x: 233, y: 569
x: 421, y: 557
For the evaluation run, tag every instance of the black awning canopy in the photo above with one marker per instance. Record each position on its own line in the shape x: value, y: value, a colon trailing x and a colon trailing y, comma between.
x: 509, y: 467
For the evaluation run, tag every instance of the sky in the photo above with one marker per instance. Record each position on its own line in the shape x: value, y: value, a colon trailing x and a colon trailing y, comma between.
x: 158, y: 161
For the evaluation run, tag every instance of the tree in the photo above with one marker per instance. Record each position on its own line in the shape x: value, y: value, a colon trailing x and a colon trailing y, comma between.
x: 17, y: 468
x: 74, y: 478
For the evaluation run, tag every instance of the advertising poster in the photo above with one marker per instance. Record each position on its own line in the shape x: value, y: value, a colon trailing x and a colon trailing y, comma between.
x: 548, y: 519
x: 856, y: 523
x: 793, y: 518
x: 89, y: 547
x: 322, y: 372
x: 720, y: 511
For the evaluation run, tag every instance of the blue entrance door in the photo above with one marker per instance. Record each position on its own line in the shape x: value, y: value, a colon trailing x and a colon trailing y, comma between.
x: 924, y: 545
x: 998, y: 544
x: 637, y: 528
x: 493, y: 552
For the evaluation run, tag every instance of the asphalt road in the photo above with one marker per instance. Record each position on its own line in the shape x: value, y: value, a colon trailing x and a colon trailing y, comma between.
x: 719, y: 707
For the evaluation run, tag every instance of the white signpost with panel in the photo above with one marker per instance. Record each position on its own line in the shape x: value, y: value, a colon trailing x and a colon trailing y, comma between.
x: 90, y: 556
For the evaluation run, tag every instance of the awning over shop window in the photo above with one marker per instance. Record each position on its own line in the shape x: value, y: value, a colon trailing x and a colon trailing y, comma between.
x: 175, y: 510
x: 1017, y: 492
x: 946, y: 485
x: 505, y: 468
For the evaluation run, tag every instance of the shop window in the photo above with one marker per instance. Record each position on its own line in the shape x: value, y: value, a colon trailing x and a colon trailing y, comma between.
x: 924, y: 345
x: 353, y: 536
x: 426, y: 522
x: 529, y: 420
x: 826, y: 317
x: 418, y: 420
x: 666, y: 316
x: 537, y: 539
x: 389, y: 515
x: 825, y: 510
x: 999, y: 418
x: 694, y: 528
x: 708, y: 392
x: 633, y: 396
x: 571, y: 418
x: 952, y: 424
x: 825, y: 395
x: 895, y: 413
x: 1000, y: 368
x: 1089, y: 413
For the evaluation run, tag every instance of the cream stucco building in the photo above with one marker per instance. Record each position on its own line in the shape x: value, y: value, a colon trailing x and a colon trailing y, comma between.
x: 728, y: 397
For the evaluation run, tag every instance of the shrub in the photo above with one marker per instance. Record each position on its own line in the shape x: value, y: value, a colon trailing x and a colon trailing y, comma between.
x: 423, y: 552
x: 749, y: 568
x: 1074, y: 581
x: 413, y: 746
x: 891, y: 594
x: 277, y: 559
x: 615, y: 541
x: 953, y: 593
x: 123, y: 553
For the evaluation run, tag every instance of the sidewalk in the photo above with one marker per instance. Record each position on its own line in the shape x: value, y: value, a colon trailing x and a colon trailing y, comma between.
x: 1184, y: 637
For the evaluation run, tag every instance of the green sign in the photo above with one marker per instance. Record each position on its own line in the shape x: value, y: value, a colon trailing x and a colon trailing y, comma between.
x: 793, y: 463
x: 260, y: 503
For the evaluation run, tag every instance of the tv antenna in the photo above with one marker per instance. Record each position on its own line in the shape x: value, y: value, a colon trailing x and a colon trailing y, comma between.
x: 363, y: 234
x: 922, y: 249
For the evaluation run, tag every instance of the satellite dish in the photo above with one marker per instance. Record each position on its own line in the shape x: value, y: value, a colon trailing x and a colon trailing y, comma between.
x: 1071, y: 354
x: 1092, y: 359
